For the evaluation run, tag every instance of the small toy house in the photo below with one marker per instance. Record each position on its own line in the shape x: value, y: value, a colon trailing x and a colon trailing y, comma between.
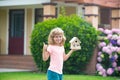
x: 75, y: 43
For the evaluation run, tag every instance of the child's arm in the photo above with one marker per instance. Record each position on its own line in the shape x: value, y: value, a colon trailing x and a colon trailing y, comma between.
x: 66, y: 56
x: 45, y: 53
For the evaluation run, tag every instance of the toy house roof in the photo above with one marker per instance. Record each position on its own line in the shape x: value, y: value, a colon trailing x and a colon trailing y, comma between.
x: 73, y: 39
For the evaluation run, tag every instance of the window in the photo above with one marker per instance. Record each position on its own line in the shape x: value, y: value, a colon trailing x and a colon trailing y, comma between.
x: 16, y: 23
x: 38, y: 15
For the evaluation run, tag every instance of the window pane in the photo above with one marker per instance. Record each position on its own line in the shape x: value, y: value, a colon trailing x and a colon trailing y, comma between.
x: 38, y: 15
x: 16, y: 23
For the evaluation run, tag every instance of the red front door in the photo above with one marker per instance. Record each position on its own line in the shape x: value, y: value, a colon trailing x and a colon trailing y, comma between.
x: 16, y: 32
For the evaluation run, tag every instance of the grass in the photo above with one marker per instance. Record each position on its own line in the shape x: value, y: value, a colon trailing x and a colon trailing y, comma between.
x: 41, y: 76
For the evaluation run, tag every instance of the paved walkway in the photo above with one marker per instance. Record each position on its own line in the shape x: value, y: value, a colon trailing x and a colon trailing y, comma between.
x: 11, y: 70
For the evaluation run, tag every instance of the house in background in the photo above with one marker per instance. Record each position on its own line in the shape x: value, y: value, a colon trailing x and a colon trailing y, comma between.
x: 18, y: 17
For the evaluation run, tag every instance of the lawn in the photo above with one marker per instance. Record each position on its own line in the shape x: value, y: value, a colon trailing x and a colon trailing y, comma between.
x: 41, y: 76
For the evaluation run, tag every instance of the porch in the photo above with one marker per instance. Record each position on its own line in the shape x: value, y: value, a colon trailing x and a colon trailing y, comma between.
x: 17, y: 62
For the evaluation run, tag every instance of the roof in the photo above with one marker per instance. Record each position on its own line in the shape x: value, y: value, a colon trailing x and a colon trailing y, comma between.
x: 4, y: 3
x: 74, y: 38
x: 105, y: 3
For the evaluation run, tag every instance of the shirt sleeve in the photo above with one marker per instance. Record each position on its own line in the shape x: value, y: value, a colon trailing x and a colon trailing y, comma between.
x: 64, y: 50
x: 49, y: 49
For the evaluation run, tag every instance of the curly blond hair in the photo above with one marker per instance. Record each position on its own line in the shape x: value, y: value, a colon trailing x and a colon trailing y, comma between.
x: 56, y: 31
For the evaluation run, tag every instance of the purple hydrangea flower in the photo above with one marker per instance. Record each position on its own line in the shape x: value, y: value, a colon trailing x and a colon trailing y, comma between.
x: 112, y: 59
x: 114, y: 42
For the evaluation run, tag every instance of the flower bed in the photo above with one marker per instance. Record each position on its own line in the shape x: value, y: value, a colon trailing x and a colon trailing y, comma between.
x: 109, y: 52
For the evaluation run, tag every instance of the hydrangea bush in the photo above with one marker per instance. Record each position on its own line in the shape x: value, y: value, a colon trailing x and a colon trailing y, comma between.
x: 108, y: 59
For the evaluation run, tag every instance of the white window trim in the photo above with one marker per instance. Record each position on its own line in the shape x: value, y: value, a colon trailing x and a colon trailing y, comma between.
x: 25, y: 30
x: 7, y: 32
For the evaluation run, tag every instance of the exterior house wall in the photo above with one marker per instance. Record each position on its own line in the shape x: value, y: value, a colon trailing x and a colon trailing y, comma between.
x: 116, y: 18
x: 115, y: 13
x: 3, y: 30
x: 49, y: 11
x: 70, y: 10
x: 99, y: 16
x: 115, y: 23
x: 91, y: 13
x: 28, y: 30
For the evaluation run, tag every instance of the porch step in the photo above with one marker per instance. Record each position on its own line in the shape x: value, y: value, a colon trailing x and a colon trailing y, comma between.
x: 17, y: 62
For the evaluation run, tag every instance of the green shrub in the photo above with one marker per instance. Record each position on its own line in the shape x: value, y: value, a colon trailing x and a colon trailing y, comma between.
x: 73, y: 26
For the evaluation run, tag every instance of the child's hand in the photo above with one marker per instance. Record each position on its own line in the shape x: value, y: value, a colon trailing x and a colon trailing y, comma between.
x: 45, y: 46
x: 75, y: 49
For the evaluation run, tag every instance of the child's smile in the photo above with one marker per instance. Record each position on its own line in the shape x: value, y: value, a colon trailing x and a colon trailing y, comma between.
x: 58, y: 39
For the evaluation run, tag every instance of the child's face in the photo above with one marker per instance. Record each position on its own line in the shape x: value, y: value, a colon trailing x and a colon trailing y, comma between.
x: 58, y: 39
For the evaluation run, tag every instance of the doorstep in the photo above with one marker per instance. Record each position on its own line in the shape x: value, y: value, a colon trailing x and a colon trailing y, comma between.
x: 12, y: 70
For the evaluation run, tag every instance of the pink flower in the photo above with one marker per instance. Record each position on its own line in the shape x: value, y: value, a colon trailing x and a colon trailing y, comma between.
x: 99, y: 53
x: 99, y: 68
x: 114, y: 37
x: 104, y: 49
x: 104, y: 75
x: 114, y: 64
x: 102, y: 44
x: 107, y: 50
x: 118, y: 49
x: 109, y: 36
x: 107, y: 31
x: 113, y: 49
x: 97, y: 65
x: 109, y: 71
x: 118, y: 41
x: 102, y: 72
x: 116, y: 31
x: 118, y: 68
x: 116, y: 56
x: 99, y: 59
x: 101, y: 29
x: 119, y: 37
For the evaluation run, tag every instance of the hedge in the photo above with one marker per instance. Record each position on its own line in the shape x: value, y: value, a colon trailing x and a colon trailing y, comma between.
x: 73, y: 26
